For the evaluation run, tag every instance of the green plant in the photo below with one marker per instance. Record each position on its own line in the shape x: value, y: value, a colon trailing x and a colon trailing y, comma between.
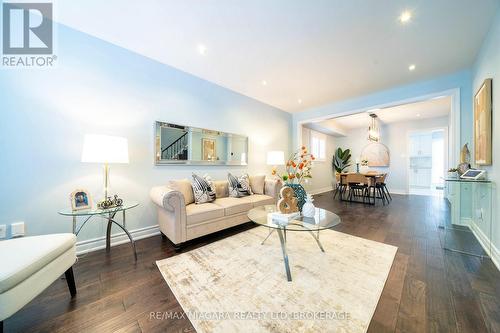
x: 341, y: 160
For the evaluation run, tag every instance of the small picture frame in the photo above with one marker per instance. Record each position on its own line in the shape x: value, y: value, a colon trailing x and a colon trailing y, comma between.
x: 80, y: 199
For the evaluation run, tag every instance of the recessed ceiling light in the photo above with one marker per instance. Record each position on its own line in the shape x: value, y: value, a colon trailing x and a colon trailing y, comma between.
x: 264, y: 82
x: 418, y: 114
x: 202, y: 49
x: 405, y: 16
x: 411, y: 67
x: 299, y: 101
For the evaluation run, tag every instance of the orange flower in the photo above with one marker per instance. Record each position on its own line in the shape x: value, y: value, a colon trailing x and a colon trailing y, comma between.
x: 294, y: 165
x: 312, y: 157
x: 305, y: 151
x: 301, y: 166
x: 303, y: 147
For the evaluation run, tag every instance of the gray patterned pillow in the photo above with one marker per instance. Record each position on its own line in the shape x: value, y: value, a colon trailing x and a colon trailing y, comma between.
x: 203, y: 189
x: 239, y: 187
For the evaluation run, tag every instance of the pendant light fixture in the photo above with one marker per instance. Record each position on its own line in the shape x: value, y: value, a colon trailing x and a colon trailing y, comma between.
x: 373, y: 129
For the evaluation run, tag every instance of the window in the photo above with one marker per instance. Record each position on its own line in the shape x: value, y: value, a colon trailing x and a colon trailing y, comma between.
x: 318, y: 145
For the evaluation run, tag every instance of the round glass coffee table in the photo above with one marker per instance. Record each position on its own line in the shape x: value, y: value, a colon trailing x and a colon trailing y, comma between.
x: 323, y: 219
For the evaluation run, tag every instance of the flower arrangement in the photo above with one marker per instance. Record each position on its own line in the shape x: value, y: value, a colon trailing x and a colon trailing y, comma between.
x: 298, y: 167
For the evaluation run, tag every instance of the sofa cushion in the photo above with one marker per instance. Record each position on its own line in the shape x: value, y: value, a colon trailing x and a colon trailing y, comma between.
x: 259, y: 200
x: 196, y: 213
x: 183, y: 186
x: 257, y: 184
x: 221, y: 188
x: 22, y: 257
x: 233, y: 205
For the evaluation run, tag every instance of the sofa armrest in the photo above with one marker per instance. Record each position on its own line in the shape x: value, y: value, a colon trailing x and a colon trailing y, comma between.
x: 166, y: 197
x: 272, y: 187
x: 171, y: 212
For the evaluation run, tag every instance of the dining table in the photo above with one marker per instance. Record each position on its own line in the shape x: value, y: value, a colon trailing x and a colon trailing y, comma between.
x: 371, y: 177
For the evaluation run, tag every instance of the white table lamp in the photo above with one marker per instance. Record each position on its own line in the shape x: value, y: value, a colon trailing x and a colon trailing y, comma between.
x: 275, y: 158
x: 105, y: 149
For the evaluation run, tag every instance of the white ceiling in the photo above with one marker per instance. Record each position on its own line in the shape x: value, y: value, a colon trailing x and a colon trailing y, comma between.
x: 433, y: 108
x: 317, y: 51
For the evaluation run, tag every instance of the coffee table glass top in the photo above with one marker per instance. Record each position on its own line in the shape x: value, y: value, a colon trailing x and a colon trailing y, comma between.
x: 323, y: 219
x: 97, y: 211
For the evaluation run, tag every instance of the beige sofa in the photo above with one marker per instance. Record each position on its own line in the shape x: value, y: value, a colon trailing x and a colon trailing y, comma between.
x: 180, y: 219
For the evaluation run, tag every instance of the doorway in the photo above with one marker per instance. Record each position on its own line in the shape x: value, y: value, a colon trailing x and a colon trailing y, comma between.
x: 428, y: 151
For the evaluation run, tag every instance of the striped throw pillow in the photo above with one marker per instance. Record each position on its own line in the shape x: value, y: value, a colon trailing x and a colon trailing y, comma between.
x: 239, y: 186
x: 203, y: 189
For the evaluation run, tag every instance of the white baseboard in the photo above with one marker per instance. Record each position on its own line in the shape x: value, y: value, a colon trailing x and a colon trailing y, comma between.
x: 320, y: 190
x: 398, y: 191
x: 485, y: 242
x: 95, y: 244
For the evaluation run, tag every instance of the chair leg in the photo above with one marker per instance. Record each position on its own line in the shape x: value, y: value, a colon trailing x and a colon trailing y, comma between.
x: 381, y: 196
x: 70, y: 279
x: 1, y: 326
x: 385, y: 194
x: 387, y: 190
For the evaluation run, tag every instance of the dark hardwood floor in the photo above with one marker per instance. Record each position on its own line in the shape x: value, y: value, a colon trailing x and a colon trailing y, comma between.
x: 428, y: 289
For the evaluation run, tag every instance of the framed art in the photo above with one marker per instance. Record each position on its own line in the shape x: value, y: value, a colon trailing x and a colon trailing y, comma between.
x: 80, y: 199
x: 209, y: 153
x: 482, y: 124
x: 377, y: 155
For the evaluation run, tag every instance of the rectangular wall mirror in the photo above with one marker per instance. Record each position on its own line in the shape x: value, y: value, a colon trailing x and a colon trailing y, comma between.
x: 178, y: 144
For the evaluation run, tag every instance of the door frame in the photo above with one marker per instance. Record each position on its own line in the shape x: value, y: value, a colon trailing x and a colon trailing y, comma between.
x: 446, y: 144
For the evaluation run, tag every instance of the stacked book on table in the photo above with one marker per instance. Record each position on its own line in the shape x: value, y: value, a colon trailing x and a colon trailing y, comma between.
x: 284, y: 218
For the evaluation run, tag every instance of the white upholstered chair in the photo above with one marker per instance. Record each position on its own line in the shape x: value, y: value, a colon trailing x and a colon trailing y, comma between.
x: 29, y: 265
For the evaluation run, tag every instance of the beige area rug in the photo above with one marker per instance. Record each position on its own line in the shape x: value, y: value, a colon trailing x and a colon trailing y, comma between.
x: 239, y: 285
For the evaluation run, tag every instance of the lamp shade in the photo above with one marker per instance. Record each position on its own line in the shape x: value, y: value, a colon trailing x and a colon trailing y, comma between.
x: 276, y: 157
x: 104, y: 149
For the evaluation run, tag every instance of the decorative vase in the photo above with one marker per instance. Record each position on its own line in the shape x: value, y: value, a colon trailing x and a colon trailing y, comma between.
x: 300, y: 193
x: 308, y: 209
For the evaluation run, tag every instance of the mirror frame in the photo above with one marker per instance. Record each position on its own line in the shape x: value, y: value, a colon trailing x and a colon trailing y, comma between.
x: 157, y: 151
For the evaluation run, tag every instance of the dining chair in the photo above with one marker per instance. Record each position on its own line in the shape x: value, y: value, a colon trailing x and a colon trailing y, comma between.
x: 358, y: 186
x: 340, y: 187
x: 384, y: 187
x: 380, y: 189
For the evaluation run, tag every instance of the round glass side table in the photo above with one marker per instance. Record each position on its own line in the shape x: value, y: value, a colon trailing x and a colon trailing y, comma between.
x: 108, y: 215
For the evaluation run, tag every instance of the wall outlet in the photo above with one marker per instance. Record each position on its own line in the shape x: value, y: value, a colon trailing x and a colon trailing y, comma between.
x: 3, y: 230
x: 17, y: 229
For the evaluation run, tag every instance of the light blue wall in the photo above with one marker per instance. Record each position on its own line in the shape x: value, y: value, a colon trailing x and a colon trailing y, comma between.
x: 100, y: 88
x: 488, y: 66
x: 461, y: 80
